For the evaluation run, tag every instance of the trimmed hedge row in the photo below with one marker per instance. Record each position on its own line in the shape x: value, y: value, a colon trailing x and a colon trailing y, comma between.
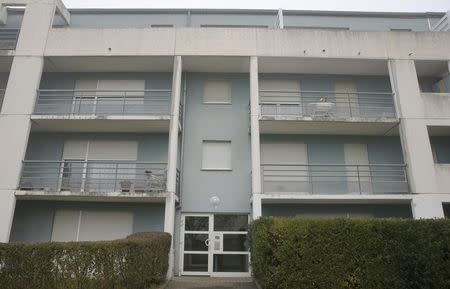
x: 363, y: 254
x: 139, y: 262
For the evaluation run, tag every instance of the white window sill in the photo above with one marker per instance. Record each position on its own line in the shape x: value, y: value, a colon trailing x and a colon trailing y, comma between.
x: 217, y: 103
x: 216, y: 169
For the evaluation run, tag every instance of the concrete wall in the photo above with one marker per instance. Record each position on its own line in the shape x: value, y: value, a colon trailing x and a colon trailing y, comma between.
x: 216, y: 122
x: 436, y: 105
x: 254, y: 41
x: 338, y: 210
x: 33, y: 220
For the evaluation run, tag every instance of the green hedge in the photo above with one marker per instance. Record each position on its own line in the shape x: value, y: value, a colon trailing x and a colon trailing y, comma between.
x: 136, y: 263
x: 365, y: 254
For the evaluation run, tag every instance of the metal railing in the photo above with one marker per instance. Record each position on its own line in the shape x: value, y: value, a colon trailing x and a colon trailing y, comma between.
x: 326, y: 104
x: 103, y: 102
x: 8, y: 38
x: 2, y: 96
x: 335, y: 179
x: 93, y: 176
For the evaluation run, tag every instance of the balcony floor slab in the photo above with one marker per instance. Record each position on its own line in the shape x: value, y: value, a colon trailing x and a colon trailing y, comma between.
x: 98, y: 197
x: 335, y: 199
x: 331, y: 126
x: 91, y: 123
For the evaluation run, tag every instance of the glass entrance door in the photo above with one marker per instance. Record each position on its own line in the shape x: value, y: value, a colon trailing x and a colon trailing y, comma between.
x: 215, y: 245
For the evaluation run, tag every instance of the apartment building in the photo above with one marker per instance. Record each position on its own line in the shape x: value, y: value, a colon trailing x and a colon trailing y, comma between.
x: 195, y: 122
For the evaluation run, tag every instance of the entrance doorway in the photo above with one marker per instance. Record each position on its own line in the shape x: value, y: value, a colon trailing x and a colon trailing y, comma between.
x: 214, y: 245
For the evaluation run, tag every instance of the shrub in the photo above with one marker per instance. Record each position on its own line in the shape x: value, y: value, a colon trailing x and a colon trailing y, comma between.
x: 135, y: 263
x: 350, y: 254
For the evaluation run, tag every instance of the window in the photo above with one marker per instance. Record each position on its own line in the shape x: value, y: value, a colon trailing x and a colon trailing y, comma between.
x: 76, y: 225
x: 217, y: 91
x: 216, y: 155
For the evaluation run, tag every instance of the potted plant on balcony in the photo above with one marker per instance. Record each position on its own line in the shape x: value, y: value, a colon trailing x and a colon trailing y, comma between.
x: 125, y: 186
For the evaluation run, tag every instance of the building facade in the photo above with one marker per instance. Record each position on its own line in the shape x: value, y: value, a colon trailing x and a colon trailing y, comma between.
x: 195, y: 122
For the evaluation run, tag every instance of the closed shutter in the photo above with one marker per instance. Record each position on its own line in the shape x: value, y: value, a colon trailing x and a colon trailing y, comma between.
x: 358, y: 177
x: 347, y: 103
x: 280, y: 97
x: 278, y: 177
x: 113, y: 150
x: 75, y: 149
x: 99, y: 225
x: 216, y: 155
x: 217, y: 91
x: 65, y: 225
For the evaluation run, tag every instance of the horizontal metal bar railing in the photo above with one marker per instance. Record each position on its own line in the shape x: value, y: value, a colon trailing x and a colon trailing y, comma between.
x: 103, y: 102
x: 334, y: 178
x: 93, y: 176
x: 8, y: 38
x: 326, y: 104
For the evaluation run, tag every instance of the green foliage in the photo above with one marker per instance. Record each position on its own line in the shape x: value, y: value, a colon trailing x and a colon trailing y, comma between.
x: 350, y: 254
x: 138, y: 262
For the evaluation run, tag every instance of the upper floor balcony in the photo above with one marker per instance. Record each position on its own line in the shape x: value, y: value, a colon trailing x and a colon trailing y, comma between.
x: 8, y: 38
x: 103, y: 101
x: 303, y: 96
x: 148, y: 102
x: 326, y: 105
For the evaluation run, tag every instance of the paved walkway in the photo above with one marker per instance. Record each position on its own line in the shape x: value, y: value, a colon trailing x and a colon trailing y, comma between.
x: 210, y: 283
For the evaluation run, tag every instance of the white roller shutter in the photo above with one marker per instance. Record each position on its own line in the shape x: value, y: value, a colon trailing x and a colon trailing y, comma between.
x: 277, y: 177
x: 75, y: 149
x: 356, y: 154
x: 99, y: 225
x: 112, y: 150
x: 217, y: 91
x: 216, y: 155
x: 65, y: 225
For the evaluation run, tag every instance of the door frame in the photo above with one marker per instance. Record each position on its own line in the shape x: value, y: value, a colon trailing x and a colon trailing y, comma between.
x: 211, y: 233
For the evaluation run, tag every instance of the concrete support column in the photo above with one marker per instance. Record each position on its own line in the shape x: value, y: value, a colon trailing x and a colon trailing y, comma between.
x: 172, y: 158
x: 427, y: 206
x: 254, y: 136
x: 413, y: 130
x: 20, y: 93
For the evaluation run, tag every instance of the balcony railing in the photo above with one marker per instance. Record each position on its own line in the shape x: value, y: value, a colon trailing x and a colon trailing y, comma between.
x: 335, y: 179
x: 8, y: 38
x: 326, y: 104
x: 103, y: 102
x: 93, y: 177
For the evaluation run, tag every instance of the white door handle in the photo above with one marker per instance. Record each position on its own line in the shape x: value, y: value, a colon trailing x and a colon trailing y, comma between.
x: 207, y: 242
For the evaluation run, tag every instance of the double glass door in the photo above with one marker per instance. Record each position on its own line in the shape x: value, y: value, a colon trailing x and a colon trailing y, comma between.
x: 214, y: 245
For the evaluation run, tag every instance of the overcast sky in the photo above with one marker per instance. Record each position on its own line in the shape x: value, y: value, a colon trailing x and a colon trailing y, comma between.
x: 342, y: 5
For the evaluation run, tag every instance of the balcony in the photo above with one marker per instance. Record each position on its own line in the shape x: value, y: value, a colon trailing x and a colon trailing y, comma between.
x: 334, y: 179
x: 91, y: 178
x: 102, y: 110
x: 103, y: 102
x: 8, y: 38
x: 326, y: 112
